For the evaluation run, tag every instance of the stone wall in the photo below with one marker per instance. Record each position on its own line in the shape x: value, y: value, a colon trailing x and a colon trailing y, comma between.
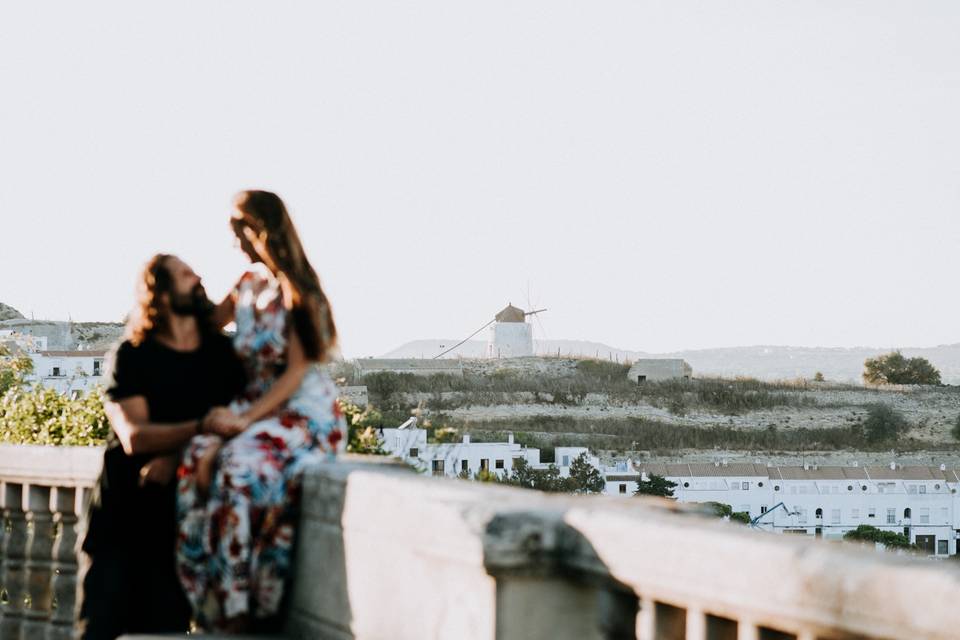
x: 386, y: 553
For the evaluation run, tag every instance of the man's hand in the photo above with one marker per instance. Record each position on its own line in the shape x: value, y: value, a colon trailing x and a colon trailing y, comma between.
x: 160, y: 470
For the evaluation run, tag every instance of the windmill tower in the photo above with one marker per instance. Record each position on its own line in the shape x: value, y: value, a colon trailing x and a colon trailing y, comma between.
x: 511, y: 336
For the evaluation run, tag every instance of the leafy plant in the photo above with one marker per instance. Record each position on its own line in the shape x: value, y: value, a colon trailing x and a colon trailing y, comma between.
x: 894, y: 368
x: 655, y: 486
x: 884, y: 423
x: 889, y: 539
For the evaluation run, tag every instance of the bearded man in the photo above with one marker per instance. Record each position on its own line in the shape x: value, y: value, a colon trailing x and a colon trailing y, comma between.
x: 171, y: 369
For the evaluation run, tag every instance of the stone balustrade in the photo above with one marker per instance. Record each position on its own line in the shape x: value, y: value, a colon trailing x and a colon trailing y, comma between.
x: 386, y: 553
x: 42, y: 491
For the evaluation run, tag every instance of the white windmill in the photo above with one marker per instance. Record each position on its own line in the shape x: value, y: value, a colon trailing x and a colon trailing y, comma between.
x: 510, y: 335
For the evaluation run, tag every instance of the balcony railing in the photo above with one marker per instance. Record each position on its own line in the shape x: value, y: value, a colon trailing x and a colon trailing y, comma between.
x: 387, y: 553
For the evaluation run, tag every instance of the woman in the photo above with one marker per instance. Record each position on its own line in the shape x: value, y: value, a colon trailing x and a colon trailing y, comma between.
x: 237, y: 498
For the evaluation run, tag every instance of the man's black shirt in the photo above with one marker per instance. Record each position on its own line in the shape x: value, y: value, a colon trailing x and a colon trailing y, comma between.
x: 177, y: 386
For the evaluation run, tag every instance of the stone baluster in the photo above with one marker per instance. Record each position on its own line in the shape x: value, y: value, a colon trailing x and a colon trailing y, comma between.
x: 38, y: 564
x: 12, y: 578
x: 63, y: 503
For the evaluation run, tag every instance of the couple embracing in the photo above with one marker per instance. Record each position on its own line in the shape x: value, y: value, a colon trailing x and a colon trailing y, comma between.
x: 194, y: 514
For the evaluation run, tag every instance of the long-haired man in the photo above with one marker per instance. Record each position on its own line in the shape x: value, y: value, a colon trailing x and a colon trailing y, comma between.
x: 171, y: 369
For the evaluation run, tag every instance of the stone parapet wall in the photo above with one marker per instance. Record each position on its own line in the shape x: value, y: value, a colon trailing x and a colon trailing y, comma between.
x: 386, y: 553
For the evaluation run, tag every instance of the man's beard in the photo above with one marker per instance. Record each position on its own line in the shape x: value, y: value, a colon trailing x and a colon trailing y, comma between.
x: 196, y: 303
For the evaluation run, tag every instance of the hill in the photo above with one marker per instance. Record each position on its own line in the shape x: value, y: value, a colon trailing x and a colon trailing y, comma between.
x: 762, y: 361
x: 9, y: 313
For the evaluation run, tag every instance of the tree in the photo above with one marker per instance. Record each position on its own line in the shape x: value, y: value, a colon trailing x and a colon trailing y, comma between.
x: 362, y: 433
x: 884, y: 423
x: 13, y: 370
x: 894, y: 368
x: 818, y: 377
x: 889, y: 539
x: 655, y: 486
x: 721, y: 510
x: 584, y: 477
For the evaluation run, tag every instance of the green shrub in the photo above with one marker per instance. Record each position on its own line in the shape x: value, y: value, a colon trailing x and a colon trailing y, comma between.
x: 890, y: 539
x: 884, y: 423
x: 955, y: 431
x: 655, y: 486
x: 894, y: 368
x: 39, y: 415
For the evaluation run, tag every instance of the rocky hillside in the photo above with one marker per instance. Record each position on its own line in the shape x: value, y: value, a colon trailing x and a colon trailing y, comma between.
x: 9, y: 313
x: 763, y: 362
x: 60, y: 335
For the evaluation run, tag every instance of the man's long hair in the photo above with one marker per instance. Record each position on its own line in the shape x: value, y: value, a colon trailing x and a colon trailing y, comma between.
x: 312, y: 317
x: 151, y: 313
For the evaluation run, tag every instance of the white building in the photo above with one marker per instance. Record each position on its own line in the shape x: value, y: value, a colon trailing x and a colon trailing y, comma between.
x: 659, y: 369
x: 452, y: 459
x: 510, y: 336
x: 919, y: 502
x: 68, y: 371
x: 19, y: 342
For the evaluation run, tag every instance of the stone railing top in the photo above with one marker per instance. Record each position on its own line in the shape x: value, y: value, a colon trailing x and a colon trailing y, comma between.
x: 50, y: 466
x: 660, y: 551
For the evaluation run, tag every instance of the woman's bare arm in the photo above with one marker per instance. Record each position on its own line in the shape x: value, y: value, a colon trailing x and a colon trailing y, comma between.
x: 224, y: 312
x: 285, y: 386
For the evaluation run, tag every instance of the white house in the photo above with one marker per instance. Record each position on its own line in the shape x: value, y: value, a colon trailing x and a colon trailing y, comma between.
x: 68, y: 371
x: 919, y: 502
x: 453, y: 458
x: 659, y: 369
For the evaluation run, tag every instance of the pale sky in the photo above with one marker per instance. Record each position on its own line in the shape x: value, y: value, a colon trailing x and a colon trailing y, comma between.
x: 660, y: 175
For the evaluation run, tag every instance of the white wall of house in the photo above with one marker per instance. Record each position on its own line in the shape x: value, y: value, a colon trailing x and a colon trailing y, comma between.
x: 918, y: 507
x: 659, y: 369
x: 452, y: 458
x: 68, y: 371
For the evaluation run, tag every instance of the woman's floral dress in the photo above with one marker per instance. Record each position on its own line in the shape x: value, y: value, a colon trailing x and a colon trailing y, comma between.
x: 234, y: 547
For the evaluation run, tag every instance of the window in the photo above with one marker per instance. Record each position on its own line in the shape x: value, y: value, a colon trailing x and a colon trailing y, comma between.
x: 565, y: 462
x: 855, y: 514
x: 923, y: 488
x: 891, y: 516
x: 906, y: 513
x: 763, y: 508
x: 414, y: 452
x: 484, y: 464
x: 943, y: 547
x: 437, y: 467
x: 872, y: 512
x: 835, y: 516
x: 623, y: 487
x: 911, y: 489
x: 746, y: 485
x: 735, y: 485
x: 97, y: 367
x: 924, y: 516
x: 818, y: 514
x: 498, y: 464
x: 56, y: 372
x: 465, y: 465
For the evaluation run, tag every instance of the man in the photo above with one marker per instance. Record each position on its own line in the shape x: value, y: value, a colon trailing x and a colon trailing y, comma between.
x: 172, y: 368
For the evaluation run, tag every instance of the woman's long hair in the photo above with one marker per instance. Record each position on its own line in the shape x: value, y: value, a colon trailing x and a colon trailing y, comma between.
x: 312, y: 318
x: 150, y: 314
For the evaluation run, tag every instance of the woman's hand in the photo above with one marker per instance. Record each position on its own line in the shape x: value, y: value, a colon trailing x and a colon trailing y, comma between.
x: 224, y: 422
